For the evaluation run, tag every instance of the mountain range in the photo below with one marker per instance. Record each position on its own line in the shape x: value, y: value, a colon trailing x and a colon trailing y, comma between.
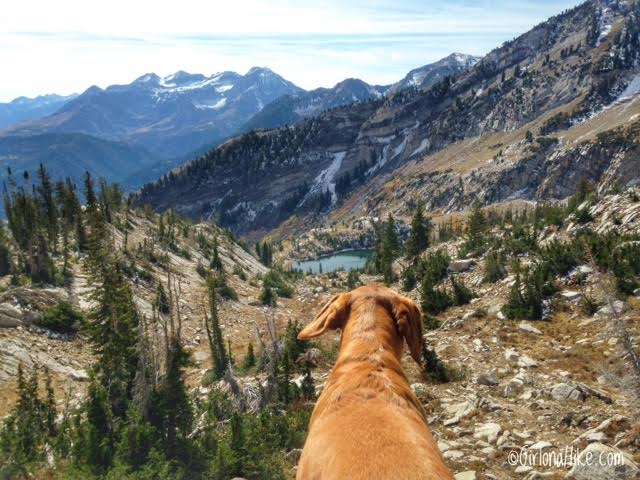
x: 159, y: 123
x: 529, y: 120
x: 23, y: 109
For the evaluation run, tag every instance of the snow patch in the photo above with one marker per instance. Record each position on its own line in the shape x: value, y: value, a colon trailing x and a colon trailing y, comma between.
x: 400, y: 148
x: 325, y: 181
x: 216, y: 106
x: 422, y: 147
x: 605, y: 24
x: 386, y: 140
x: 632, y: 89
x: 223, y: 88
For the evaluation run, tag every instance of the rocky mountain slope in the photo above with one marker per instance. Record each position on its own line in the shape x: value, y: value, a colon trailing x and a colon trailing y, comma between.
x: 22, y: 108
x: 428, y: 75
x: 292, y: 109
x: 547, y: 81
x: 168, y: 116
x: 519, y: 386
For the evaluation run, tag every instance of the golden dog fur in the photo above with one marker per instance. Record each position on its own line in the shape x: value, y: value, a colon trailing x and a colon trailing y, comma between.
x: 367, y: 423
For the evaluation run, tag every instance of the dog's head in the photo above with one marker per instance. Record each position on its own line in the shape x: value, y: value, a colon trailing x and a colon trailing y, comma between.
x: 337, y: 313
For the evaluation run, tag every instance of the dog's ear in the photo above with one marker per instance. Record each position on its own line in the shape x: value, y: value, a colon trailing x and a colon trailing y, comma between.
x: 332, y: 316
x: 409, y: 321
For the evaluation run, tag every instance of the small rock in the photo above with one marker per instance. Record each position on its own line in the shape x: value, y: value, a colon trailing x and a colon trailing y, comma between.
x: 501, y: 315
x: 527, y: 362
x: 636, y: 292
x: 572, y: 296
x: 459, y: 411
x: 419, y: 389
x: 469, y: 315
x: 488, y: 379
x: 528, y: 328
x: 511, y: 355
x: 443, y: 446
x: 457, y: 266
x: 468, y: 475
x: 523, y: 469
x: 541, y: 445
x: 294, y: 455
x: 616, y: 307
x: 598, y: 462
x: 488, y: 431
x: 453, y: 454
x: 564, y: 391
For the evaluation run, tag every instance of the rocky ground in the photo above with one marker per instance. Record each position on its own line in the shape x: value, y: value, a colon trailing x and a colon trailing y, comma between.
x: 553, y: 387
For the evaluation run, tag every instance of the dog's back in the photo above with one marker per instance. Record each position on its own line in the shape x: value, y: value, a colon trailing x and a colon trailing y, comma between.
x: 368, y: 436
x: 368, y: 424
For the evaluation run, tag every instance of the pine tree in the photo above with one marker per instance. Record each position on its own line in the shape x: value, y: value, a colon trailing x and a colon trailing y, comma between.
x: 494, y: 269
x: 476, y: 231
x: 95, y: 448
x: 267, y: 296
x: 250, y: 358
x: 214, y: 334
x: 48, y: 206
x: 418, y: 240
x: 5, y: 253
x: 49, y: 405
x: 98, y: 245
x: 308, y: 385
x: 216, y: 261
x: 113, y: 327
x: 175, y: 399
x: 162, y: 300
x: 390, y: 248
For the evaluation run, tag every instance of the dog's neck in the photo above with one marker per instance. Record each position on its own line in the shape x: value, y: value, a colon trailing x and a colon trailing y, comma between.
x: 371, y: 337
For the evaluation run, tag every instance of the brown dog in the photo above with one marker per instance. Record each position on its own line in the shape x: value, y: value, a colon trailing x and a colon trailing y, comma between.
x: 367, y: 423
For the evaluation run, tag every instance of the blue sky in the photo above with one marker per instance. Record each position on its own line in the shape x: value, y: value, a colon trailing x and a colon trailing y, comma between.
x: 68, y: 45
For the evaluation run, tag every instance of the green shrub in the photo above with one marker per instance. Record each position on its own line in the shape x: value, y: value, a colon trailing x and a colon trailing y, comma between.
x: 353, y: 279
x: 433, y: 370
x: 239, y: 272
x: 433, y: 266
x: 494, y: 268
x: 532, y: 286
x: 460, y: 294
x: 434, y: 300
x: 582, y: 215
x: 430, y: 322
x: 588, y: 305
x: 274, y: 281
x: 409, y: 279
x: 62, y: 317
x: 267, y: 296
x: 559, y: 256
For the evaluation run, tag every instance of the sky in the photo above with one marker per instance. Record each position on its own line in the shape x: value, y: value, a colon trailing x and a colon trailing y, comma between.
x: 66, y: 46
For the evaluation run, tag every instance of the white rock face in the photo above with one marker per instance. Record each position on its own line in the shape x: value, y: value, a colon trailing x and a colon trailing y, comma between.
x: 600, y: 462
x: 488, y: 432
x: 564, y: 391
x: 527, y: 362
x: 528, y: 328
x: 615, y: 308
x: 458, y: 266
x: 571, y: 295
